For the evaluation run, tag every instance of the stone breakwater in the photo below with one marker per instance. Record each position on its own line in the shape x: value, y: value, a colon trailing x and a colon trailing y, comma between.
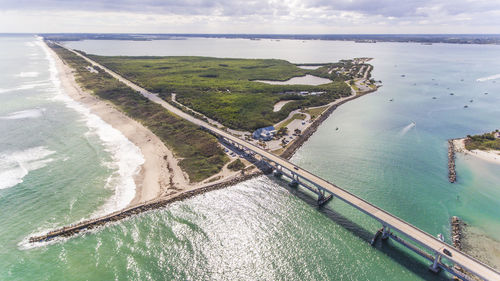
x: 290, y: 150
x: 456, y: 237
x: 74, y: 229
x: 456, y: 232
x: 71, y: 230
x: 452, y: 173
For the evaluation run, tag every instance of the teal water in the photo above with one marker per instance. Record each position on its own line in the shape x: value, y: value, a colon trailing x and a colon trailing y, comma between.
x: 260, y: 229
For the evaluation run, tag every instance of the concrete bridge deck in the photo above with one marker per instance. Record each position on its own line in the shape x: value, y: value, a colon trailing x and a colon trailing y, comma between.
x: 389, y: 221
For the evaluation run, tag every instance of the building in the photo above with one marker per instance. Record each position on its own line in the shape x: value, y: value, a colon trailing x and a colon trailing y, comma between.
x: 265, y: 134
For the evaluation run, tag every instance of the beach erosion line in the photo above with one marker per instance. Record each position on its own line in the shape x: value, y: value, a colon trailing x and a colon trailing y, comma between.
x: 127, y: 158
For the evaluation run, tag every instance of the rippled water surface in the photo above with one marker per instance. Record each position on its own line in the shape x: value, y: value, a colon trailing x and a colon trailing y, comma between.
x: 259, y: 229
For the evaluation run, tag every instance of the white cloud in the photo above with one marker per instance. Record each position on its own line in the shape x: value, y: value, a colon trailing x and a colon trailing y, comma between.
x: 251, y: 16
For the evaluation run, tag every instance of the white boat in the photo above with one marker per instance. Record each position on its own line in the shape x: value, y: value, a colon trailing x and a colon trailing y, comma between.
x: 440, y: 237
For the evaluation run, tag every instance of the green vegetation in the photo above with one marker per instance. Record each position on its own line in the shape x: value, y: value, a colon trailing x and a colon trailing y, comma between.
x: 315, y: 112
x: 487, y: 141
x: 223, y: 90
x: 294, y: 117
x: 200, y: 153
x: 236, y: 165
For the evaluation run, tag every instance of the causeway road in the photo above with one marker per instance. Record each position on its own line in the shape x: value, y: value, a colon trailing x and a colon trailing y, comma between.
x: 424, y: 239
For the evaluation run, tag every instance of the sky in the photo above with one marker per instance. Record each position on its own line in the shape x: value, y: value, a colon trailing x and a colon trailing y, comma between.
x: 251, y: 16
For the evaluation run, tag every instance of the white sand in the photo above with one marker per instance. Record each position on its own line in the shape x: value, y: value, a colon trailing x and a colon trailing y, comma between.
x: 490, y: 156
x: 160, y: 167
x: 279, y: 105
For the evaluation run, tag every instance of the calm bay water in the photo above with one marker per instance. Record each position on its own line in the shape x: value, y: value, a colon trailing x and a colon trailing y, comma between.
x: 260, y: 229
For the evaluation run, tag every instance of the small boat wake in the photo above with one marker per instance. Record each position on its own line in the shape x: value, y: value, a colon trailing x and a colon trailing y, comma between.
x: 492, y: 77
x: 407, y: 128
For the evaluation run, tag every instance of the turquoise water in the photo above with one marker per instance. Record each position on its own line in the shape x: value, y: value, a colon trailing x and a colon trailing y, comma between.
x: 260, y: 229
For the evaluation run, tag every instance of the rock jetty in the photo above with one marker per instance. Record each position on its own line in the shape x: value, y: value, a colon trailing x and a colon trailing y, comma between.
x: 457, y: 228
x: 290, y: 150
x: 452, y: 173
x: 456, y: 232
x: 74, y: 229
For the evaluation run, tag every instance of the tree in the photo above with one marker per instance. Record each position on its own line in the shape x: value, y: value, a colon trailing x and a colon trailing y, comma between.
x: 282, y: 131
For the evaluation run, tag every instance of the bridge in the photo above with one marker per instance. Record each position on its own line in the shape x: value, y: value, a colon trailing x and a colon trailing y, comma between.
x: 437, y: 249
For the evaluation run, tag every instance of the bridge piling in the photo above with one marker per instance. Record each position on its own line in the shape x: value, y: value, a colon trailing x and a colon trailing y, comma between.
x: 294, y: 183
x: 277, y: 173
x: 322, y: 199
x: 386, y: 231
x: 376, y: 236
x: 434, y: 267
x: 416, y: 235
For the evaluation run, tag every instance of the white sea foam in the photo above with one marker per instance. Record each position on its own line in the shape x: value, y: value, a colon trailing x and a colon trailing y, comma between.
x: 23, y: 114
x: 492, y: 77
x: 29, y: 74
x: 127, y: 157
x: 26, y: 86
x: 15, y: 165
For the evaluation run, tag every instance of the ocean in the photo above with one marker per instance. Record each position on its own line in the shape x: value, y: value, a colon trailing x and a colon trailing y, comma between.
x: 60, y: 164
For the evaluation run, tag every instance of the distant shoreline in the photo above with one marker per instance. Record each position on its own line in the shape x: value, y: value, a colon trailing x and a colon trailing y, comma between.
x: 154, y: 192
x: 426, y: 39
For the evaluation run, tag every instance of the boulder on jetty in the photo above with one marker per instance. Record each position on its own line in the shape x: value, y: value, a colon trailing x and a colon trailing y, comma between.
x: 452, y: 174
x: 74, y: 229
x: 456, y: 232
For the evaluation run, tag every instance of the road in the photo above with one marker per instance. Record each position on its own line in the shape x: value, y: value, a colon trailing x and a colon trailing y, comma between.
x: 426, y: 240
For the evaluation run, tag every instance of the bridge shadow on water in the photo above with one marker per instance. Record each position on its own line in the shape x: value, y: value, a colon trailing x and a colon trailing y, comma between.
x: 411, y: 261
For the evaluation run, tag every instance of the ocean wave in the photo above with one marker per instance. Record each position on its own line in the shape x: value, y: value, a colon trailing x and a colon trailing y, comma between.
x: 126, y: 157
x: 23, y: 114
x: 14, y: 166
x: 492, y: 77
x: 27, y: 86
x: 29, y: 74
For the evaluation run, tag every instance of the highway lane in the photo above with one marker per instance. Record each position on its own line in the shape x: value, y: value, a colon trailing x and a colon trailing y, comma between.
x: 426, y: 240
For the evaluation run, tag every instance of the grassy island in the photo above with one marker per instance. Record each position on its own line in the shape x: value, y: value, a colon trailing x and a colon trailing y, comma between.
x: 488, y: 141
x: 225, y: 90
x: 199, y: 152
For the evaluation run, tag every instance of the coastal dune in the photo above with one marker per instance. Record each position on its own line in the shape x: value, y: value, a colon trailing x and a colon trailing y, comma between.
x: 160, y: 170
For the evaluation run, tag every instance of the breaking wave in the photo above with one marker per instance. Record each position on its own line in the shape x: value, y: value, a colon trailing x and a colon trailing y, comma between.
x: 28, y: 74
x: 14, y: 166
x: 126, y: 157
x: 23, y: 114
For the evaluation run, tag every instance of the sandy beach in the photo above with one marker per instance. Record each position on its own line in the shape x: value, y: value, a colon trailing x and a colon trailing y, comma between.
x: 160, y: 174
x: 492, y: 156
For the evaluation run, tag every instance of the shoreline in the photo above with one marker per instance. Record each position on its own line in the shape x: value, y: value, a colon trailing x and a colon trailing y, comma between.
x: 155, y: 187
x: 73, y: 229
x: 311, y: 129
x: 159, y: 169
x: 492, y: 156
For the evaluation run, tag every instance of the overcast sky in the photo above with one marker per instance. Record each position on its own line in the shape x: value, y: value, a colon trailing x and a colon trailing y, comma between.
x: 251, y: 16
